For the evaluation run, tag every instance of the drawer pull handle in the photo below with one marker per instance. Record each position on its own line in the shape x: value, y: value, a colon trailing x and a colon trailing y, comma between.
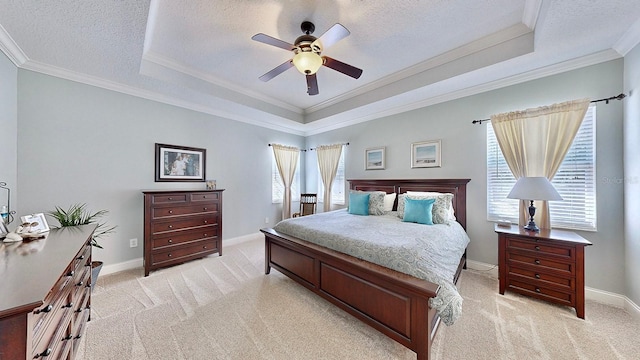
x: 79, y: 310
x: 206, y: 222
x: 537, y: 261
x: 45, y: 309
x: 170, y: 211
x: 204, y: 247
x: 205, y: 209
x: 170, y: 198
x: 47, y: 352
x: 170, y: 241
x: 71, y: 273
x: 537, y: 290
x: 79, y: 284
x: 81, y: 257
x: 537, y: 276
x: 68, y: 337
x: 68, y: 305
x: 79, y: 336
x: 169, y: 254
x: 537, y: 248
x: 170, y: 226
x: 205, y: 235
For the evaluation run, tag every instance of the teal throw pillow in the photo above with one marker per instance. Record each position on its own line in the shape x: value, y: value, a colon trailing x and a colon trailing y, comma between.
x: 358, y: 203
x: 418, y: 211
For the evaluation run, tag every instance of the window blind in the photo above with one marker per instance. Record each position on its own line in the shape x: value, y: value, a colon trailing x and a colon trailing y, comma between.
x: 575, y: 182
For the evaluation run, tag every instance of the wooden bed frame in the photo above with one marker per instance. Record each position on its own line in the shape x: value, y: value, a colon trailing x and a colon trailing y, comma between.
x: 393, y: 303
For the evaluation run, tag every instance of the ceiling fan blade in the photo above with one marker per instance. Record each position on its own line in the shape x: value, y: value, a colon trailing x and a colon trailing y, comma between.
x: 312, y: 84
x: 339, y: 66
x: 277, y: 71
x: 336, y: 33
x: 266, y: 39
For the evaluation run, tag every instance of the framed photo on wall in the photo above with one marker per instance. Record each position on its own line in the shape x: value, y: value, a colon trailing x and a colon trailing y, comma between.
x: 426, y: 154
x: 180, y: 163
x: 374, y: 159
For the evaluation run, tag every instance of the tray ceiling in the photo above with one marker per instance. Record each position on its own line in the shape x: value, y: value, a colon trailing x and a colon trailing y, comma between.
x: 199, y: 54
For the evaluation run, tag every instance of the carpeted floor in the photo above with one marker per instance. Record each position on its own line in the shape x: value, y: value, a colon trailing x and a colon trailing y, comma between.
x: 227, y: 308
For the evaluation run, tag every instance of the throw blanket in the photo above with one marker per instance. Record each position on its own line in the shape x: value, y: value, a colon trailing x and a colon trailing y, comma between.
x: 429, y: 252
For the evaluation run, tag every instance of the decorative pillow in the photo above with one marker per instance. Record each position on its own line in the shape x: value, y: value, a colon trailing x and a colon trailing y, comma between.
x: 388, y: 202
x: 418, y: 211
x: 443, y: 212
x: 376, y: 202
x: 358, y: 203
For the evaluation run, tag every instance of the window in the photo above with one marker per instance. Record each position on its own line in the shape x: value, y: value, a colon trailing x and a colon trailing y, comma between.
x: 575, y: 181
x: 277, y: 187
x: 338, y: 186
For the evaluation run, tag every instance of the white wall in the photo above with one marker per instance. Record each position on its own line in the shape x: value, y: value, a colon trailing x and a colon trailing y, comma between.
x: 632, y: 172
x: 464, y: 156
x: 82, y: 144
x: 8, y: 129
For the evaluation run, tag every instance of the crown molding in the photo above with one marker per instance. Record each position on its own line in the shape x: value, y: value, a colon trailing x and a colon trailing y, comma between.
x: 531, y: 13
x: 542, y: 72
x: 284, y: 125
x: 201, y: 75
x: 11, y: 49
x: 629, y: 39
x: 484, y: 43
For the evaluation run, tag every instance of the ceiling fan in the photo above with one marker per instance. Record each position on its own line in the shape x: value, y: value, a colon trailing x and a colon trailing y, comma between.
x: 306, y: 58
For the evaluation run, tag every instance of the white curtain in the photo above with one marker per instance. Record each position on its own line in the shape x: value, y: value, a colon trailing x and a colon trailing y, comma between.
x: 287, y: 161
x: 328, y: 159
x: 534, y: 142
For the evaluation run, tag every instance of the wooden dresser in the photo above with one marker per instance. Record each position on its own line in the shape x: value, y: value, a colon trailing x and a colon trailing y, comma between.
x: 46, y: 294
x: 181, y: 225
x: 547, y: 265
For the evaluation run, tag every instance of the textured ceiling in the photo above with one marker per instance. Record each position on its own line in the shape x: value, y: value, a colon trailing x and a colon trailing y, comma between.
x: 199, y: 54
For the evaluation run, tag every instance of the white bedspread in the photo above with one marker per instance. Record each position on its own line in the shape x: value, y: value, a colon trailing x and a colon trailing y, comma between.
x: 430, y: 252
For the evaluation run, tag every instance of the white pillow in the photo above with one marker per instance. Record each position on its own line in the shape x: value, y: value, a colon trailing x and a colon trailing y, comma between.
x: 389, y: 199
x: 449, y: 206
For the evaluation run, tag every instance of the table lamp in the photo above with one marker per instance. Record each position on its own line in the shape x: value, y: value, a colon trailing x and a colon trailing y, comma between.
x: 533, y: 188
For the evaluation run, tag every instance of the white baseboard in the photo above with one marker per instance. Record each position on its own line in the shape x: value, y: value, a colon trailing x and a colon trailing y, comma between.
x: 136, y: 263
x: 600, y: 296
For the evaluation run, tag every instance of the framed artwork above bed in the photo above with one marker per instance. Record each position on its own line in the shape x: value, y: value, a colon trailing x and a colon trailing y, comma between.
x: 426, y: 154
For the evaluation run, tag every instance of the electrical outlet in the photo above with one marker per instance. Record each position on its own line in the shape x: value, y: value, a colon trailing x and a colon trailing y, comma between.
x: 266, y: 220
x: 133, y: 243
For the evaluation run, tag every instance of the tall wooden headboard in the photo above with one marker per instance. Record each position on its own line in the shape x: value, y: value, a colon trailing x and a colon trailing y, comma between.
x: 457, y: 187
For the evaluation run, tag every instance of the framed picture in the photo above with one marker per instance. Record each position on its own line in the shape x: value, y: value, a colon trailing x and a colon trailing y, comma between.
x: 426, y: 154
x: 180, y: 163
x: 34, y: 223
x: 374, y: 159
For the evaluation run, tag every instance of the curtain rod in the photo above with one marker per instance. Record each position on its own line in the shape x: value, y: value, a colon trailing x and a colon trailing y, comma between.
x: 345, y: 144
x: 299, y: 149
x: 618, y: 97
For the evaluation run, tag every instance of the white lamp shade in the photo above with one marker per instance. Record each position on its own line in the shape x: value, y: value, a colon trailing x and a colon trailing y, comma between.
x: 534, y: 188
x: 307, y: 62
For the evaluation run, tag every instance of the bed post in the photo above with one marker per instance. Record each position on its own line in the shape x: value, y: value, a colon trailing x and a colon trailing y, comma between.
x: 421, y: 333
x: 267, y: 255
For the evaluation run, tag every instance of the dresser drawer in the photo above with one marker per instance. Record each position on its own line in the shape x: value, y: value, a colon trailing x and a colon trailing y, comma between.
x: 164, y: 212
x: 204, y: 196
x: 52, y: 345
x: 180, y: 224
x: 168, y: 198
x: 530, y: 275
x: 181, y: 237
x: 540, y: 263
x: 535, y: 290
x: 46, y: 316
x: 541, y: 248
x: 199, y: 247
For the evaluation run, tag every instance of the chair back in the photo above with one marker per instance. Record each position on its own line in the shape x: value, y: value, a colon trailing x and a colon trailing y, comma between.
x: 308, y: 204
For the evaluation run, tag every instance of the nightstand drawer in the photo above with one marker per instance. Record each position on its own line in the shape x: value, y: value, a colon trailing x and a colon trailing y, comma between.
x: 533, y: 276
x: 540, y: 264
x: 539, y: 246
x: 565, y: 298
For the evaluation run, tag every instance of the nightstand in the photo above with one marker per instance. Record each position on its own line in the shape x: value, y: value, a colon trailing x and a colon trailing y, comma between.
x: 547, y: 265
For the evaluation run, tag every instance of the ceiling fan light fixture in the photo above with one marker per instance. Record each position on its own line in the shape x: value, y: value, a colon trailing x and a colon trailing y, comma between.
x: 307, y: 62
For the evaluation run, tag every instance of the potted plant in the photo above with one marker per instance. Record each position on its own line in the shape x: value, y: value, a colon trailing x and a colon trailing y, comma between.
x: 78, y: 214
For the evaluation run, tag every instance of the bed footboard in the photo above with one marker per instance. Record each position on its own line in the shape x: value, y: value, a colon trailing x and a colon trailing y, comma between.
x: 394, y: 303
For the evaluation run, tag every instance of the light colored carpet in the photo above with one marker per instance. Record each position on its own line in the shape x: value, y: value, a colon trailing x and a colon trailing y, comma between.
x: 227, y: 308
